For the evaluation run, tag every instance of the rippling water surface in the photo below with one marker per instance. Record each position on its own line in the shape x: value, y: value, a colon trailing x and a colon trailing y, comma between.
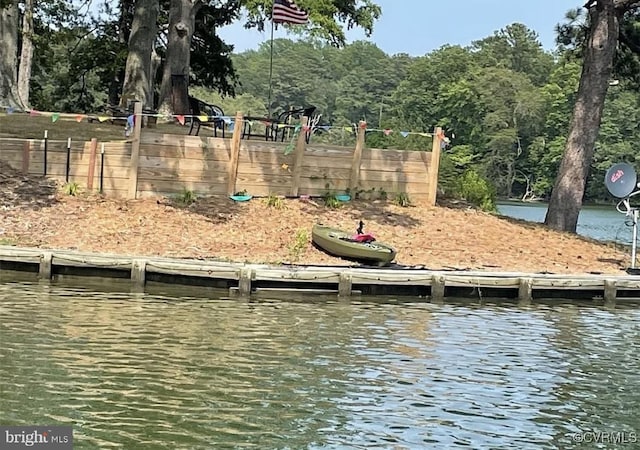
x: 603, y: 223
x: 140, y: 371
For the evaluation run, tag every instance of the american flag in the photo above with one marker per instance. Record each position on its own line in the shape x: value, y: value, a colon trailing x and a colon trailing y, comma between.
x: 286, y: 11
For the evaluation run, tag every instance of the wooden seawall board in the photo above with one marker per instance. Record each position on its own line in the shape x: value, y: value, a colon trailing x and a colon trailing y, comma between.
x: 246, y: 279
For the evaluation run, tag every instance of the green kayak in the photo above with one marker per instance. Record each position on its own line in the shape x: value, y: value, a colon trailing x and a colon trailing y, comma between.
x: 360, y: 247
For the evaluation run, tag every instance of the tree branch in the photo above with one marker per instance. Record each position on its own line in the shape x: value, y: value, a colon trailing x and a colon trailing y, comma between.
x: 626, y: 5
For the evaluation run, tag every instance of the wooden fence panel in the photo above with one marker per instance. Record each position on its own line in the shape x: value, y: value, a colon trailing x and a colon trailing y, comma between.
x: 170, y: 164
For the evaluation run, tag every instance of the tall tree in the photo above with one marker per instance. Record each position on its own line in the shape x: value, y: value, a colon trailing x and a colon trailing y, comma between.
x: 518, y: 48
x: 599, y: 50
x: 9, y: 19
x: 139, y: 76
x: 326, y: 20
x: 26, y: 54
x: 175, y: 78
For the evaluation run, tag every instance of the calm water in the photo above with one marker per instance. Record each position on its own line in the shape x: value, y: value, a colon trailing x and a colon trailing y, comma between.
x: 141, y: 371
x: 598, y: 222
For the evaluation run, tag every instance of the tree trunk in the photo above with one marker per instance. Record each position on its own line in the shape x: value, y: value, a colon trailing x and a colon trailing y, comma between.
x: 175, y: 78
x: 116, y: 83
x: 9, y: 55
x: 138, y: 79
x: 26, y: 55
x: 568, y: 191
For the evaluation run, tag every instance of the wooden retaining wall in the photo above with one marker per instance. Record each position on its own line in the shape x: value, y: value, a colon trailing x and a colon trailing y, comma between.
x: 86, y: 161
x: 248, y: 279
x: 153, y: 164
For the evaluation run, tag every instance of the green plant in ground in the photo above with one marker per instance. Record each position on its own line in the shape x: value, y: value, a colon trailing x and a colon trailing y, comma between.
x: 7, y: 241
x: 72, y: 188
x: 274, y: 201
x: 477, y: 191
x: 187, y: 196
x: 402, y: 199
x: 330, y: 199
x: 382, y: 194
x: 300, y: 242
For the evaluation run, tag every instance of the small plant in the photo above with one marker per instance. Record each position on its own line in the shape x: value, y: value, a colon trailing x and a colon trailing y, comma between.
x: 382, y: 194
x: 300, y: 242
x: 274, y: 201
x: 402, y: 199
x: 330, y: 199
x: 187, y: 197
x: 7, y: 241
x: 71, y: 188
x: 241, y: 193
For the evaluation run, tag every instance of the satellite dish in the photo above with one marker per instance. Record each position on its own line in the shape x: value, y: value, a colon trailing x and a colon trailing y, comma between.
x: 621, y: 180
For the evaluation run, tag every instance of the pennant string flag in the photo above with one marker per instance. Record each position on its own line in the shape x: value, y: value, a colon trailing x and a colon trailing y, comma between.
x: 228, y: 120
x: 286, y: 11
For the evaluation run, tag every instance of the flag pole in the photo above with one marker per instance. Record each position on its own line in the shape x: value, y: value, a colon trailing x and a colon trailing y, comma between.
x: 270, y: 67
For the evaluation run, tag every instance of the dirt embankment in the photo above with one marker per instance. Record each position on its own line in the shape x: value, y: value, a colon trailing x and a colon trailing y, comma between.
x: 35, y: 212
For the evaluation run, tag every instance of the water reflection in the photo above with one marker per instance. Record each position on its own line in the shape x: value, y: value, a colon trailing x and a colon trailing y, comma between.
x: 156, y: 371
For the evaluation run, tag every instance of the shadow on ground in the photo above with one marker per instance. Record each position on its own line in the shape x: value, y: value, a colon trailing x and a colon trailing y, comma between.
x: 380, y: 212
x: 25, y: 191
x: 215, y: 209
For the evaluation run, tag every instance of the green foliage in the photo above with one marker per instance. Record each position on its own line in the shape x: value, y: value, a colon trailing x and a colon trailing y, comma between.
x: 402, y: 199
x: 187, y: 197
x: 274, y: 201
x: 477, y: 191
x: 71, y: 188
x: 299, y: 244
x: 330, y: 198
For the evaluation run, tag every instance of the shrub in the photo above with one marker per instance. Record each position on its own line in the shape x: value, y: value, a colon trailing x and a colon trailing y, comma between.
x: 477, y: 191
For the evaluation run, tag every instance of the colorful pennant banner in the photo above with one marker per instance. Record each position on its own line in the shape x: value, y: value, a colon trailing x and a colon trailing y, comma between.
x: 229, y: 120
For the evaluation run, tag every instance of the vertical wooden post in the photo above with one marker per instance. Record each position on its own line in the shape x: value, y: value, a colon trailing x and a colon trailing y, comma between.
x: 234, y: 159
x: 93, y: 149
x: 357, y: 158
x: 135, y: 150
x: 298, y: 156
x: 434, y: 166
x: 138, y: 272
x: 438, y: 288
x: 345, y: 284
x: 45, y: 141
x: 45, y: 269
x: 244, y: 283
x: 610, y: 292
x: 67, y: 170
x: 26, y: 150
x: 525, y: 291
